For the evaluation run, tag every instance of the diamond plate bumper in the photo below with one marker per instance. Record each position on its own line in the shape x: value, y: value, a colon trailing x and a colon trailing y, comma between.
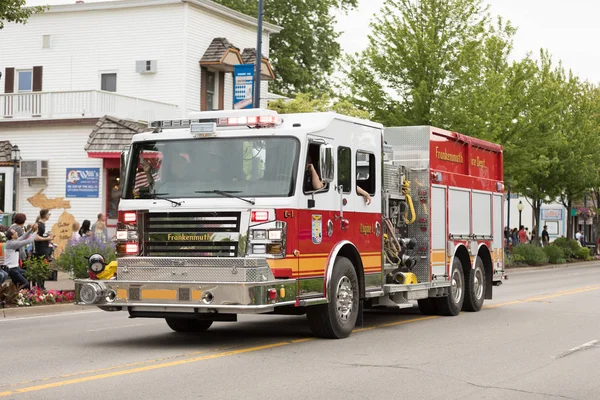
x: 190, y: 296
x: 196, y: 285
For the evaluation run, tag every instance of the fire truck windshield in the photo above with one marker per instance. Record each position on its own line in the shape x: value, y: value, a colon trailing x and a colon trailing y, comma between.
x: 248, y: 167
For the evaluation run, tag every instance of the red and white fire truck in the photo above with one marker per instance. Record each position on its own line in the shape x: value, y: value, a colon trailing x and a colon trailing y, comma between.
x: 220, y: 215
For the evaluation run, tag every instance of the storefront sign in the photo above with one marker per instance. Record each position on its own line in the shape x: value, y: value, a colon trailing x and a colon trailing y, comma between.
x: 83, y: 182
x: 552, y: 214
x: 243, y: 88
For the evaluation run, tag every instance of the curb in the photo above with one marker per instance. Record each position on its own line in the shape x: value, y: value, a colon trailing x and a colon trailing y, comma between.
x: 595, y: 263
x: 40, y: 310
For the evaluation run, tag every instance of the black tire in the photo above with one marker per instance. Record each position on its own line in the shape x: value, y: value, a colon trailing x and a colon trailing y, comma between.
x: 428, y: 306
x: 188, y: 325
x: 475, y: 284
x: 337, y: 319
x: 452, y: 304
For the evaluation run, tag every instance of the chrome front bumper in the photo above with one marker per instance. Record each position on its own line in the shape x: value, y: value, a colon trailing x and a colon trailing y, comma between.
x: 209, y: 297
x: 195, y: 285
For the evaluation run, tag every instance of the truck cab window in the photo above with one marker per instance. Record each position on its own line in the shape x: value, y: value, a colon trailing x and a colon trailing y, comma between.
x: 365, y: 172
x: 312, y: 175
x: 344, y: 169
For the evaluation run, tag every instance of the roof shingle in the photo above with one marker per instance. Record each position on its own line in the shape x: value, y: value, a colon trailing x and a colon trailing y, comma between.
x: 216, y: 50
x: 113, y: 134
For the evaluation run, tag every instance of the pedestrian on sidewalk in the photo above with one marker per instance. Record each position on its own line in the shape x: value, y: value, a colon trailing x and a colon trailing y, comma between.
x: 42, y: 238
x: 522, y: 235
x: 99, y: 229
x: 19, y: 227
x: 11, y: 257
x: 545, y: 236
x: 75, y: 236
x: 85, y: 231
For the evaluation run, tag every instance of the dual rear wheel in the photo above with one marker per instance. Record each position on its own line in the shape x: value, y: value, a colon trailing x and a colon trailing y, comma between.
x: 467, y: 292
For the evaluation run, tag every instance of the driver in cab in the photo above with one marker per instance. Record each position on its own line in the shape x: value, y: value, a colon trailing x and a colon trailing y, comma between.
x: 312, y: 179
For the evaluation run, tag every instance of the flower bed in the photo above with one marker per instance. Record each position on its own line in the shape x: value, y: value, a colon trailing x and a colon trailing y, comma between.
x: 10, y: 296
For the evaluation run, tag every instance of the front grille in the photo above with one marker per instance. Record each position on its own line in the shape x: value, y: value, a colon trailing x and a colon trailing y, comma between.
x: 201, y: 234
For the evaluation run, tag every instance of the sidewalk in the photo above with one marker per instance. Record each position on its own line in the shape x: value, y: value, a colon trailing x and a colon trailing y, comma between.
x: 63, y: 283
x: 593, y: 263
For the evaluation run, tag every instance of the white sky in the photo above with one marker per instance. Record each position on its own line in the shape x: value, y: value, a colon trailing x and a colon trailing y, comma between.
x: 569, y: 29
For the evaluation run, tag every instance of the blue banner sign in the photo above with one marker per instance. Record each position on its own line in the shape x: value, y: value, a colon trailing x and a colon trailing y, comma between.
x: 83, y: 182
x: 243, y: 86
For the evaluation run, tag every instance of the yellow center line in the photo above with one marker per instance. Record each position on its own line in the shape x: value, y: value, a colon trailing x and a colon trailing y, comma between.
x: 250, y: 349
x: 546, y: 297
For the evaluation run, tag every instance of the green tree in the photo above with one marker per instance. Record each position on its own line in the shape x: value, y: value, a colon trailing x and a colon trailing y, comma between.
x: 304, y: 103
x: 305, y: 52
x: 15, y: 11
x: 424, y: 54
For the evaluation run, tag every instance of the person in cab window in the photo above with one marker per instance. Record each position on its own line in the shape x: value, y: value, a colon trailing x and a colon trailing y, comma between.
x: 364, y: 194
x: 311, y: 177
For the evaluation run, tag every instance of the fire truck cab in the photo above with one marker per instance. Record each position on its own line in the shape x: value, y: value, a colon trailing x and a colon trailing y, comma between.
x: 248, y: 211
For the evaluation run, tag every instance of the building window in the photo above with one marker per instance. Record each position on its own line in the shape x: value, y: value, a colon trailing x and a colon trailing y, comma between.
x: 210, y: 90
x: 108, y: 82
x: 365, y: 172
x: 25, y: 81
x: 45, y: 41
x: 344, y: 177
x: 113, y: 192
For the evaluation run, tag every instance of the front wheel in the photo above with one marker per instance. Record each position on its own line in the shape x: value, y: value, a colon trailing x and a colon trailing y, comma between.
x: 452, y: 304
x: 337, y: 319
x: 188, y: 325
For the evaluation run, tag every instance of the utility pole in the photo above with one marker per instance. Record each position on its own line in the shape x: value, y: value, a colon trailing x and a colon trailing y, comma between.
x: 258, y: 61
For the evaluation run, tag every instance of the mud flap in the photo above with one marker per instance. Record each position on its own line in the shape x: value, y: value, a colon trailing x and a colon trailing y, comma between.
x: 359, y: 318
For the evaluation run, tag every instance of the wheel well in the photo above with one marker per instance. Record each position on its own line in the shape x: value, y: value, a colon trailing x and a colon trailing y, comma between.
x: 463, y: 255
x: 484, y: 254
x: 351, y: 254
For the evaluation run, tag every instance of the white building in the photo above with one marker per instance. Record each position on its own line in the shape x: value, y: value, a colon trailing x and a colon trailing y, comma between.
x: 78, y: 80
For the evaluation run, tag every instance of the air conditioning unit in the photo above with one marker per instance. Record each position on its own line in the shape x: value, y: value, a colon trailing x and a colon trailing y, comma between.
x: 34, y: 169
x: 145, y: 66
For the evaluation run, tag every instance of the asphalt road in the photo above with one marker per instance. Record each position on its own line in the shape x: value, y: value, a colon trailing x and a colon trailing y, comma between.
x: 538, y: 339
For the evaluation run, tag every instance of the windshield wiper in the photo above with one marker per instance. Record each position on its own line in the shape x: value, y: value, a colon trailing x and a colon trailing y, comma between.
x: 159, y: 196
x: 227, y: 193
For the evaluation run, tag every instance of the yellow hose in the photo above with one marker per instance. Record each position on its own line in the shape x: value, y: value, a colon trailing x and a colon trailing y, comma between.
x: 406, y: 193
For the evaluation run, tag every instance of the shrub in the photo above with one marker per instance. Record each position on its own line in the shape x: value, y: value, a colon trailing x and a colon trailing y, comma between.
x: 8, y: 294
x: 73, y: 259
x: 568, y: 246
x: 37, y: 269
x: 514, y: 260
x: 530, y: 254
x: 555, y: 254
x: 583, y: 253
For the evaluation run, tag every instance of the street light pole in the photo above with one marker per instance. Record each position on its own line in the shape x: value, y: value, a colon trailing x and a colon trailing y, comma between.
x: 520, y: 207
x: 15, y: 155
x: 258, y: 61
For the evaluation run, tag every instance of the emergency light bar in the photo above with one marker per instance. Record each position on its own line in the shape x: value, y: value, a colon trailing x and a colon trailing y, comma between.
x: 250, y: 118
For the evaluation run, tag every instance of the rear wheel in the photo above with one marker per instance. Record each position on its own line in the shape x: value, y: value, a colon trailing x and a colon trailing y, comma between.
x: 188, y: 325
x: 337, y: 319
x: 475, y: 287
x: 452, y: 304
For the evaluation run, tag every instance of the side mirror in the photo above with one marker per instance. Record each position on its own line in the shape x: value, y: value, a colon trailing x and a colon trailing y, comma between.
x: 123, y: 167
x: 326, y: 163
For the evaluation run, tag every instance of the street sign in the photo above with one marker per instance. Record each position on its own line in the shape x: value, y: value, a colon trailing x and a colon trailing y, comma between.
x: 243, y: 86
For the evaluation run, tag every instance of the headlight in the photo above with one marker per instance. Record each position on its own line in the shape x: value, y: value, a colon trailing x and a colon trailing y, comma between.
x: 122, y: 235
x: 259, y: 235
x: 90, y: 293
x: 275, y: 234
x: 259, y: 249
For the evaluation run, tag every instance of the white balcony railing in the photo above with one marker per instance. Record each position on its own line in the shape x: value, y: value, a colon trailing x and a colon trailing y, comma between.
x: 83, y: 103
